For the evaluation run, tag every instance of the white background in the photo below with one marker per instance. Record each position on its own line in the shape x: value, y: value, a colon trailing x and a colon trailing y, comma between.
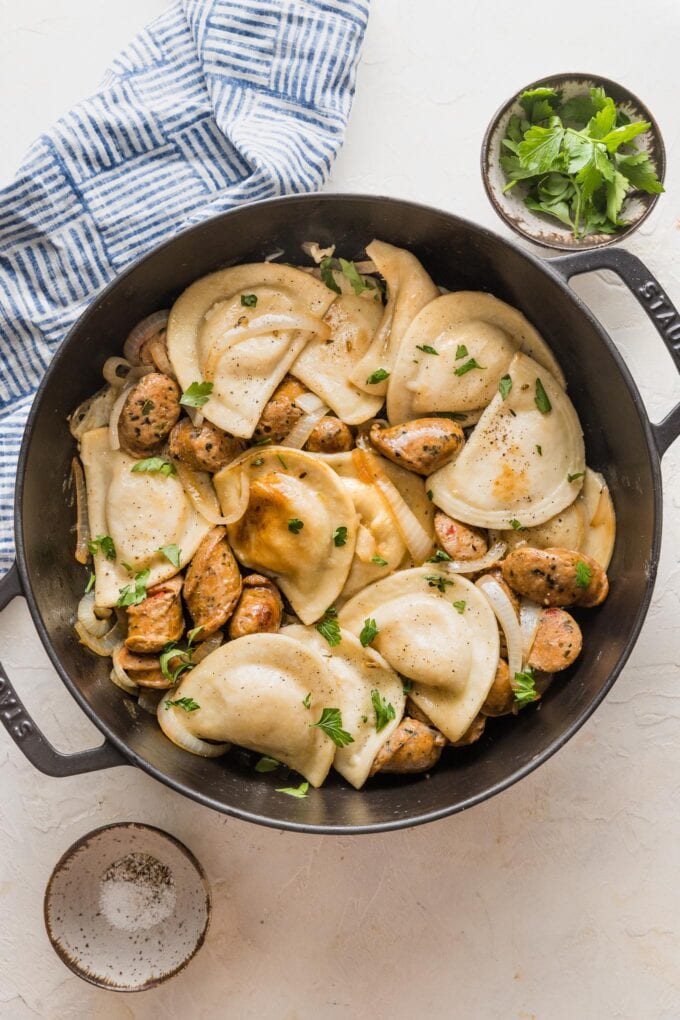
x: 558, y: 899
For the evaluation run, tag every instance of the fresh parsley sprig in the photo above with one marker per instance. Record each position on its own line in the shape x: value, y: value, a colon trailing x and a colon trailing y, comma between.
x: 524, y: 687
x: 330, y: 723
x: 384, y: 710
x: 329, y: 628
x: 135, y: 592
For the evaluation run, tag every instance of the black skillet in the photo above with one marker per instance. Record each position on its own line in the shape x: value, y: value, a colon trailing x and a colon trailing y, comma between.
x: 620, y: 442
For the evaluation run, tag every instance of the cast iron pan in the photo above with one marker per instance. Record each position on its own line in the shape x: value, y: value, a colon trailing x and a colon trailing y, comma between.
x: 620, y: 442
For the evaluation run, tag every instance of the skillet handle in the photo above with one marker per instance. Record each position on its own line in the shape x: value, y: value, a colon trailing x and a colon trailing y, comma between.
x: 660, y: 310
x: 24, y: 731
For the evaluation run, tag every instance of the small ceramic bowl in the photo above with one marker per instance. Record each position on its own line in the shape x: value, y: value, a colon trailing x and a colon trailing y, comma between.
x: 545, y: 230
x: 127, y: 907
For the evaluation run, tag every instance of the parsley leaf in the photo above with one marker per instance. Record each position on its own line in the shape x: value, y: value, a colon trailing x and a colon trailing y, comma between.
x: 427, y: 349
x: 350, y: 271
x: 294, y: 791
x: 262, y: 441
x: 90, y: 583
x: 134, y: 593
x: 504, y: 386
x: 407, y: 684
x: 155, y: 464
x: 640, y: 172
x: 258, y: 462
x: 196, y: 395
x: 539, y: 450
x: 369, y: 632
x: 330, y: 723
x: 541, y: 399
x: 248, y: 300
x: 326, y: 273
x: 340, y: 536
x: 379, y: 561
x: 439, y: 556
x: 515, y: 525
x: 172, y: 553
x: 377, y: 376
x: 540, y: 147
x: 267, y: 764
x: 384, y: 711
x: 572, y: 478
x: 329, y: 628
x: 188, y: 704
x: 438, y: 581
x: 193, y: 634
x: 467, y: 367
x: 524, y: 687
x: 461, y: 352
x: 584, y: 574
x: 295, y: 525
x: 307, y: 700
x: 281, y: 461
x: 460, y: 606
x: 172, y: 653
x: 430, y: 495
x: 105, y: 543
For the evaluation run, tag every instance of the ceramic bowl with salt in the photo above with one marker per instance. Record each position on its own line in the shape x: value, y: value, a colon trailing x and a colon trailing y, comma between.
x: 127, y: 907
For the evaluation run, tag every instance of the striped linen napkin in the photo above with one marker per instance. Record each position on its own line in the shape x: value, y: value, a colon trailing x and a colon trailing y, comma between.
x: 216, y: 103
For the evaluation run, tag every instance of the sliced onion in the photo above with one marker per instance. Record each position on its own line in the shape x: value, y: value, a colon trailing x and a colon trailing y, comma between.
x: 196, y: 415
x: 116, y: 410
x: 95, y: 625
x: 143, y: 331
x: 312, y: 249
x: 82, y: 553
x: 507, y: 617
x: 303, y: 428
x: 148, y: 700
x: 158, y: 350
x: 263, y: 325
x: 210, y: 644
x: 112, y: 371
x: 103, y: 646
x: 274, y: 255
x: 417, y: 540
x: 367, y: 267
x: 118, y: 676
x: 529, y: 619
x: 489, y: 559
x: 93, y: 413
x: 199, y: 488
x: 171, y: 724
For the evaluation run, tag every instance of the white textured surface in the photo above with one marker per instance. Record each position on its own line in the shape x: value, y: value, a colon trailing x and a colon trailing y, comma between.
x: 558, y: 899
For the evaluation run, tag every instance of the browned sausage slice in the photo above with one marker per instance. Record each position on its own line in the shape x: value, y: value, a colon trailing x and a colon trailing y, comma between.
x: 472, y: 733
x: 157, y: 620
x: 460, y: 541
x: 556, y: 577
x: 413, y: 747
x: 144, y: 670
x: 259, y: 609
x: 203, y: 447
x: 501, y: 698
x: 149, y: 412
x: 422, y: 445
x: 558, y: 641
x: 213, y: 583
x: 330, y: 435
x: 281, y: 412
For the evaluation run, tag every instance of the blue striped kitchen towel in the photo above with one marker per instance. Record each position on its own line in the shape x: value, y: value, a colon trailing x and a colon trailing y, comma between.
x: 216, y: 103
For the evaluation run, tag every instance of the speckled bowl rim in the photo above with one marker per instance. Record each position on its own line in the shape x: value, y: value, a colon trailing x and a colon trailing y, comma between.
x: 555, y: 80
x: 70, y: 853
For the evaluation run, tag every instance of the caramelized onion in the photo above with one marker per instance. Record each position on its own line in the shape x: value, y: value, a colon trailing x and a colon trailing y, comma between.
x: 199, y: 488
x: 158, y: 350
x: 416, y: 539
x: 315, y: 410
x: 116, y: 410
x: 93, y: 413
x: 103, y: 646
x: 143, y: 331
x: 489, y: 559
x: 507, y: 617
x: 529, y: 619
x: 118, y: 675
x: 95, y: 625
x: 316, y: 253
x: 206, y: 647
x: 170, y: 722
x: 112, y: 371
x: 82, y: 553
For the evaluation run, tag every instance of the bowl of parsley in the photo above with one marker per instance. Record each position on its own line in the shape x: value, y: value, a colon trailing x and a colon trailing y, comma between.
x: 573, y: 161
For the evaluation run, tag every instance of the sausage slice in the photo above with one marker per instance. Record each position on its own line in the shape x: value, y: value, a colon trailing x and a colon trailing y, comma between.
x: 556, y: 577
x: 213, y: 583
x: 157, y: 620
x: 422, y: 445
x: 413, y: 747
x: 259, y: 610
x: 149, y: 412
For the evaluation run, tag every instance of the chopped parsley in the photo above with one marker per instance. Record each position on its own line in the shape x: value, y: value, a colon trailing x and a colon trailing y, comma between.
x: 258, y: 462
x: 377, y: 376
x: 248, y: 300
x: 172, y: 553
x: 468, y: 366
x: 134, y: 593
x: 295, y: 525
x: 262, y: 442
x: 196, y: 395
x: 524, y: 687
x: 155, y: 465
x: 307, y: 700
x: 340, y: 536
x: 329, y: 628
x: 438, y: 581
x: 193, y: 633
x: 461, y: 352
x: 584, y: 574
x: 330, y: 723
x: 294, y: 791
x: 384, y: 711
x: 572, y: 478
x: 188, y: 704
x: 267, y: 764
x: 541, y: 399
x: 281, y: 461
x: 369, y: 632
x: 504, y: 386
x: 439, y: 556
x: 460, y: 606
x: 326, y: 273
x: 379, y: 561
x: 426, y: 349
x: 350, y: 271
x: 105, y: 543
x: 407, y: 684
x: 429, y: 494
x: 515, y: 525
x: 171, y: 653
x: 90, y: 583
x: 539, y: 450
x: 147, y: 407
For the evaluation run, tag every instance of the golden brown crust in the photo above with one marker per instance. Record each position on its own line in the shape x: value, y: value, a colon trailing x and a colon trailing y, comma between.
x: 501, y: 698
x: 472, y: 733
x: 144, y: 670
x: 550, y: 577
x: 460, y: 541
x: 203, y: 447
x: 259, y: 609
x: 281, y: 412
x: 330, y: 435
x: 212, y: 586
x: 157, y: 620
x: 413, y: 747
x: 558, y: 642
x: 422, y: 445
x: 149, y: 412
